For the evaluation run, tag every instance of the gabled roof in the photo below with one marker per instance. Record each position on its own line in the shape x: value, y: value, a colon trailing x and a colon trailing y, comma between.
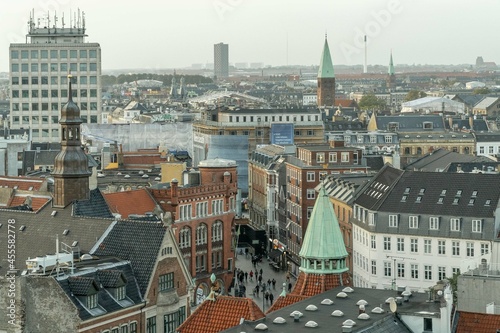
x: 22, y: 183
x: 82, y: 286
x: 33, y: 202
x: 136, y: 241
x: 326, y: 64
x: 410, y: 123
x: 110, y: 278
x: 95, y: 206
x: 130, y: 202
x: 221, y: 314
x: 486, y: 102
x: 477, y: 322
x: 323, y: 238
x: 439, y: 159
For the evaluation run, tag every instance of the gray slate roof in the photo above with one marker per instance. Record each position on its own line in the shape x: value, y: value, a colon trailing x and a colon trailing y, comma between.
x: 378, y: 323
x: 96, y: 206
x: 136, y: 241
x: 440, y: 159
x: 411, y: 123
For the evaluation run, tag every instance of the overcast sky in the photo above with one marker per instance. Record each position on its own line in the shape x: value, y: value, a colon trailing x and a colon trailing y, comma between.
x: 177, y: 33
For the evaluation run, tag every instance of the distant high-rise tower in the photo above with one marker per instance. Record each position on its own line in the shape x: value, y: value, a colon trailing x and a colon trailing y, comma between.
x: 38, y: 75
x: 326, y: 78
x: 391, y: 77
x: 221, y: 60
x: 71, y: 171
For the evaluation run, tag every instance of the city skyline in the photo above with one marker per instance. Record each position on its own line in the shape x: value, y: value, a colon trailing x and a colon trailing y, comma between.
x: 178, y: 34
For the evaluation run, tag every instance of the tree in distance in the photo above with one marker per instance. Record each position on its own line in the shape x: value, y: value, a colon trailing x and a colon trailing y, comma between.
x: 414, y: 94
x: 372, y: 102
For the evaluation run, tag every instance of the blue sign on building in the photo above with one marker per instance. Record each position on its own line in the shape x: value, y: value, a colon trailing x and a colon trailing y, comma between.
x: 282, y: 134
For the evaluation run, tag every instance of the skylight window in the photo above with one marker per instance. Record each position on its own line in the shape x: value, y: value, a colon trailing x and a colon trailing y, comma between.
x: 471, y: 202
x: 459, y: 193
x: 440, y: 200
x: 455, y: 201
x: 474, y: 193
x: 407, y: 190
x: 419, y: 199
x: 488, y: 202
x: 422, y: 191
x: 443, y: 192
x: 403, y: 199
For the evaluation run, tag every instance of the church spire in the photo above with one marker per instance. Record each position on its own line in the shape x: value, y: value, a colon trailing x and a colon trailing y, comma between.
x: 391, y: 66
x: 326, y: 64
x: 323, y: 250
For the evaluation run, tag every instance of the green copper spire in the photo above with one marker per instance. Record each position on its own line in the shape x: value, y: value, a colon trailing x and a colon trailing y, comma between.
x: 326, y: 64
x: 323, y: 250
x: 391, y: 66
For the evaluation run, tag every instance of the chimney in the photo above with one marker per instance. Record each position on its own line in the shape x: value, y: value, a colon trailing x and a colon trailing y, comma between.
x: 174, y: 184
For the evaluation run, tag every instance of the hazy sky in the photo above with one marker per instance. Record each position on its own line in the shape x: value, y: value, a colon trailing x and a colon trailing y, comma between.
x: 177, y: 33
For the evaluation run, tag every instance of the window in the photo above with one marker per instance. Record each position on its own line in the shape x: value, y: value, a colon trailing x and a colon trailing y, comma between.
x: 371, y: 218
x: 347, y: 139
x: 401, y: 269
x: 92, y: 301
x: 15, y: 68
x: 414, y: 245
x: 470, y: 249
x: 373, y: 242
x: 124, y: 329
x: 217, y: 231
x: 201, y: 234
x: 388, y: 139
x: 120, y: 293
x: 344, y: 157
x: 373, y: 139
x: 360, y: 139
x: 200, y: 263
x: 24, y: 54
x: 201, y: 209
x: 427, y: 246
x: 434, y: 223
x: 170, y: 322
x: 217, y: 206
x: 413, y: 222
x: 92, y: 54
x: 115, y: 330
x: 476, y: 226
x: 166, y: 281
x: 311, y: 193
x: 387, y: 268
x: 374, y: 267
x: 401, y: 244
x: 320, y: 157
x: 455, y: 248
x: 14, y: 54
x: 151, y: 325
x: 309, y: 212
x: 441, y: 273
x: 332, y: 157
x: 427, y: 272
x: 185, y: 238
x: 414, y: 271
x: 428, y: 324
x: 310, y: 176
x: 387, y: 243
x: 441, y: 247
x: 185, y: 212
x: 393, y: 221
x: 455, y: 224
x: 485, y: 248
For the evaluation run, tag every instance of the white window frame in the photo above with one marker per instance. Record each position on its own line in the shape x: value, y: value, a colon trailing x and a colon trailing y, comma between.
x: 320, y: 157
x: 469, y: 249
x: 400, y: 244
x: 485, y: 248
x: 441, y: 246
x: 311, y: 176
x: 413, y: 222
x: 414, y: 245
x: 373, y: 242
x: 433, y: 223
x: 344, y: 157
x: 393, y: 221
x: 371, y: 218
x: 427, y: 272
x: 455, y: 248
x: 387, y: 243
x: 477, y: 226
x: 373, y: 139
x: 414, y: 271
x: 454, y: 224
x: 427, y: 246
x: 387, y: 268
x: 388, y: 138
x: 311, y: 193
x: 332, y: 157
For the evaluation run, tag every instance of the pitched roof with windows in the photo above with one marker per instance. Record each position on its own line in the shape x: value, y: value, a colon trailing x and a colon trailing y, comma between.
x: 100, y: 279
x: 477, y: 322
x: 220, y: 314
x: 410, y: 123
x: 136, y: 241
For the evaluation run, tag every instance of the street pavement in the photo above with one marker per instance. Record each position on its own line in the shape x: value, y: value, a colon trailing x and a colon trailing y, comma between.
x: 244, y: 263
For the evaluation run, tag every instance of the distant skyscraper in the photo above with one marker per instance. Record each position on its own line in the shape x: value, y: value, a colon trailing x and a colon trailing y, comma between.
x: 326, y: 78
x: 39, y: 73
x: 221, y: 60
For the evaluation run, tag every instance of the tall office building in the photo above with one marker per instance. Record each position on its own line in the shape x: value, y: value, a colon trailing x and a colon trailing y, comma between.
x: 221, y: 60
x: 39, y: 72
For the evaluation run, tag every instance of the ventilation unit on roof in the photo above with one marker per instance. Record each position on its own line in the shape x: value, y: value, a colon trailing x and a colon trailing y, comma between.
x: 65, y: 232
x: 75, y: 243
x: 54, y: 212
x: 21, y: 228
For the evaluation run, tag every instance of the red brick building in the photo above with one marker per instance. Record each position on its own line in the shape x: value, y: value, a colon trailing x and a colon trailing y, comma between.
x: 203, y: 213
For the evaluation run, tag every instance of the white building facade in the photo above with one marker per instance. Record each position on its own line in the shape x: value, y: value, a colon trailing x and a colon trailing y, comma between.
x: 412, y: 229
x: 39, y: 78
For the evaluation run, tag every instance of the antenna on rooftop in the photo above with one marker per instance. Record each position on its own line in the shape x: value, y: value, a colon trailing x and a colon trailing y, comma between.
x: 62, y: 20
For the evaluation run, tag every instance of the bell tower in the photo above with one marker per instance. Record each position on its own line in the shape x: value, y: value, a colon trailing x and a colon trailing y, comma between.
x: 71, y: 172
x: 326, y: 78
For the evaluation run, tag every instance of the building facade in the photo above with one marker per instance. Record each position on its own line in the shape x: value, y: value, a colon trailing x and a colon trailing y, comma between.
x: 39, y: 78
x: 411, y: 229
x: 221, y: 60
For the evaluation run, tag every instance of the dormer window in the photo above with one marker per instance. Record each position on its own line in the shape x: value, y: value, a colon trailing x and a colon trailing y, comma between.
x: 91, y: 301
x: 120, y: 293
x: 393, y: 126
x: 427, y: 125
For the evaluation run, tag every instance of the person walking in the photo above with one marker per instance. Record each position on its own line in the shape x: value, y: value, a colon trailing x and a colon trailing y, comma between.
x: 260, y: 272
x: 246, y: 277
x: 257, y: 290
x: 289, y: 287
x: 266, y: 296
x: 260, y: 278
x: 271, y: 298
x: 274, y: 283
x: 251, y: 275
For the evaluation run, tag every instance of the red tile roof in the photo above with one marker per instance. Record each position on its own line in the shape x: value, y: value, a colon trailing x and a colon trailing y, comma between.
x: 223, y: 313
x: 130, y: 202
x: 22, y: 183
x: 36, y: 202
x: 471, y: 322
x: 345, y: 103
x: 282, y: 302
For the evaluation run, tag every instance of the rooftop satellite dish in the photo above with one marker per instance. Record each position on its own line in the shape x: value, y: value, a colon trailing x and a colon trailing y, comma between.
x: 393, y: 306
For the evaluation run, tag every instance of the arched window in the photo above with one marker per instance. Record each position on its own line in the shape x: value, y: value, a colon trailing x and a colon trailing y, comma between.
x: 419, y: 151
x: 217, y: 231
x: 407, y: 151
x: 185, y: 237
x: 201, y: 234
